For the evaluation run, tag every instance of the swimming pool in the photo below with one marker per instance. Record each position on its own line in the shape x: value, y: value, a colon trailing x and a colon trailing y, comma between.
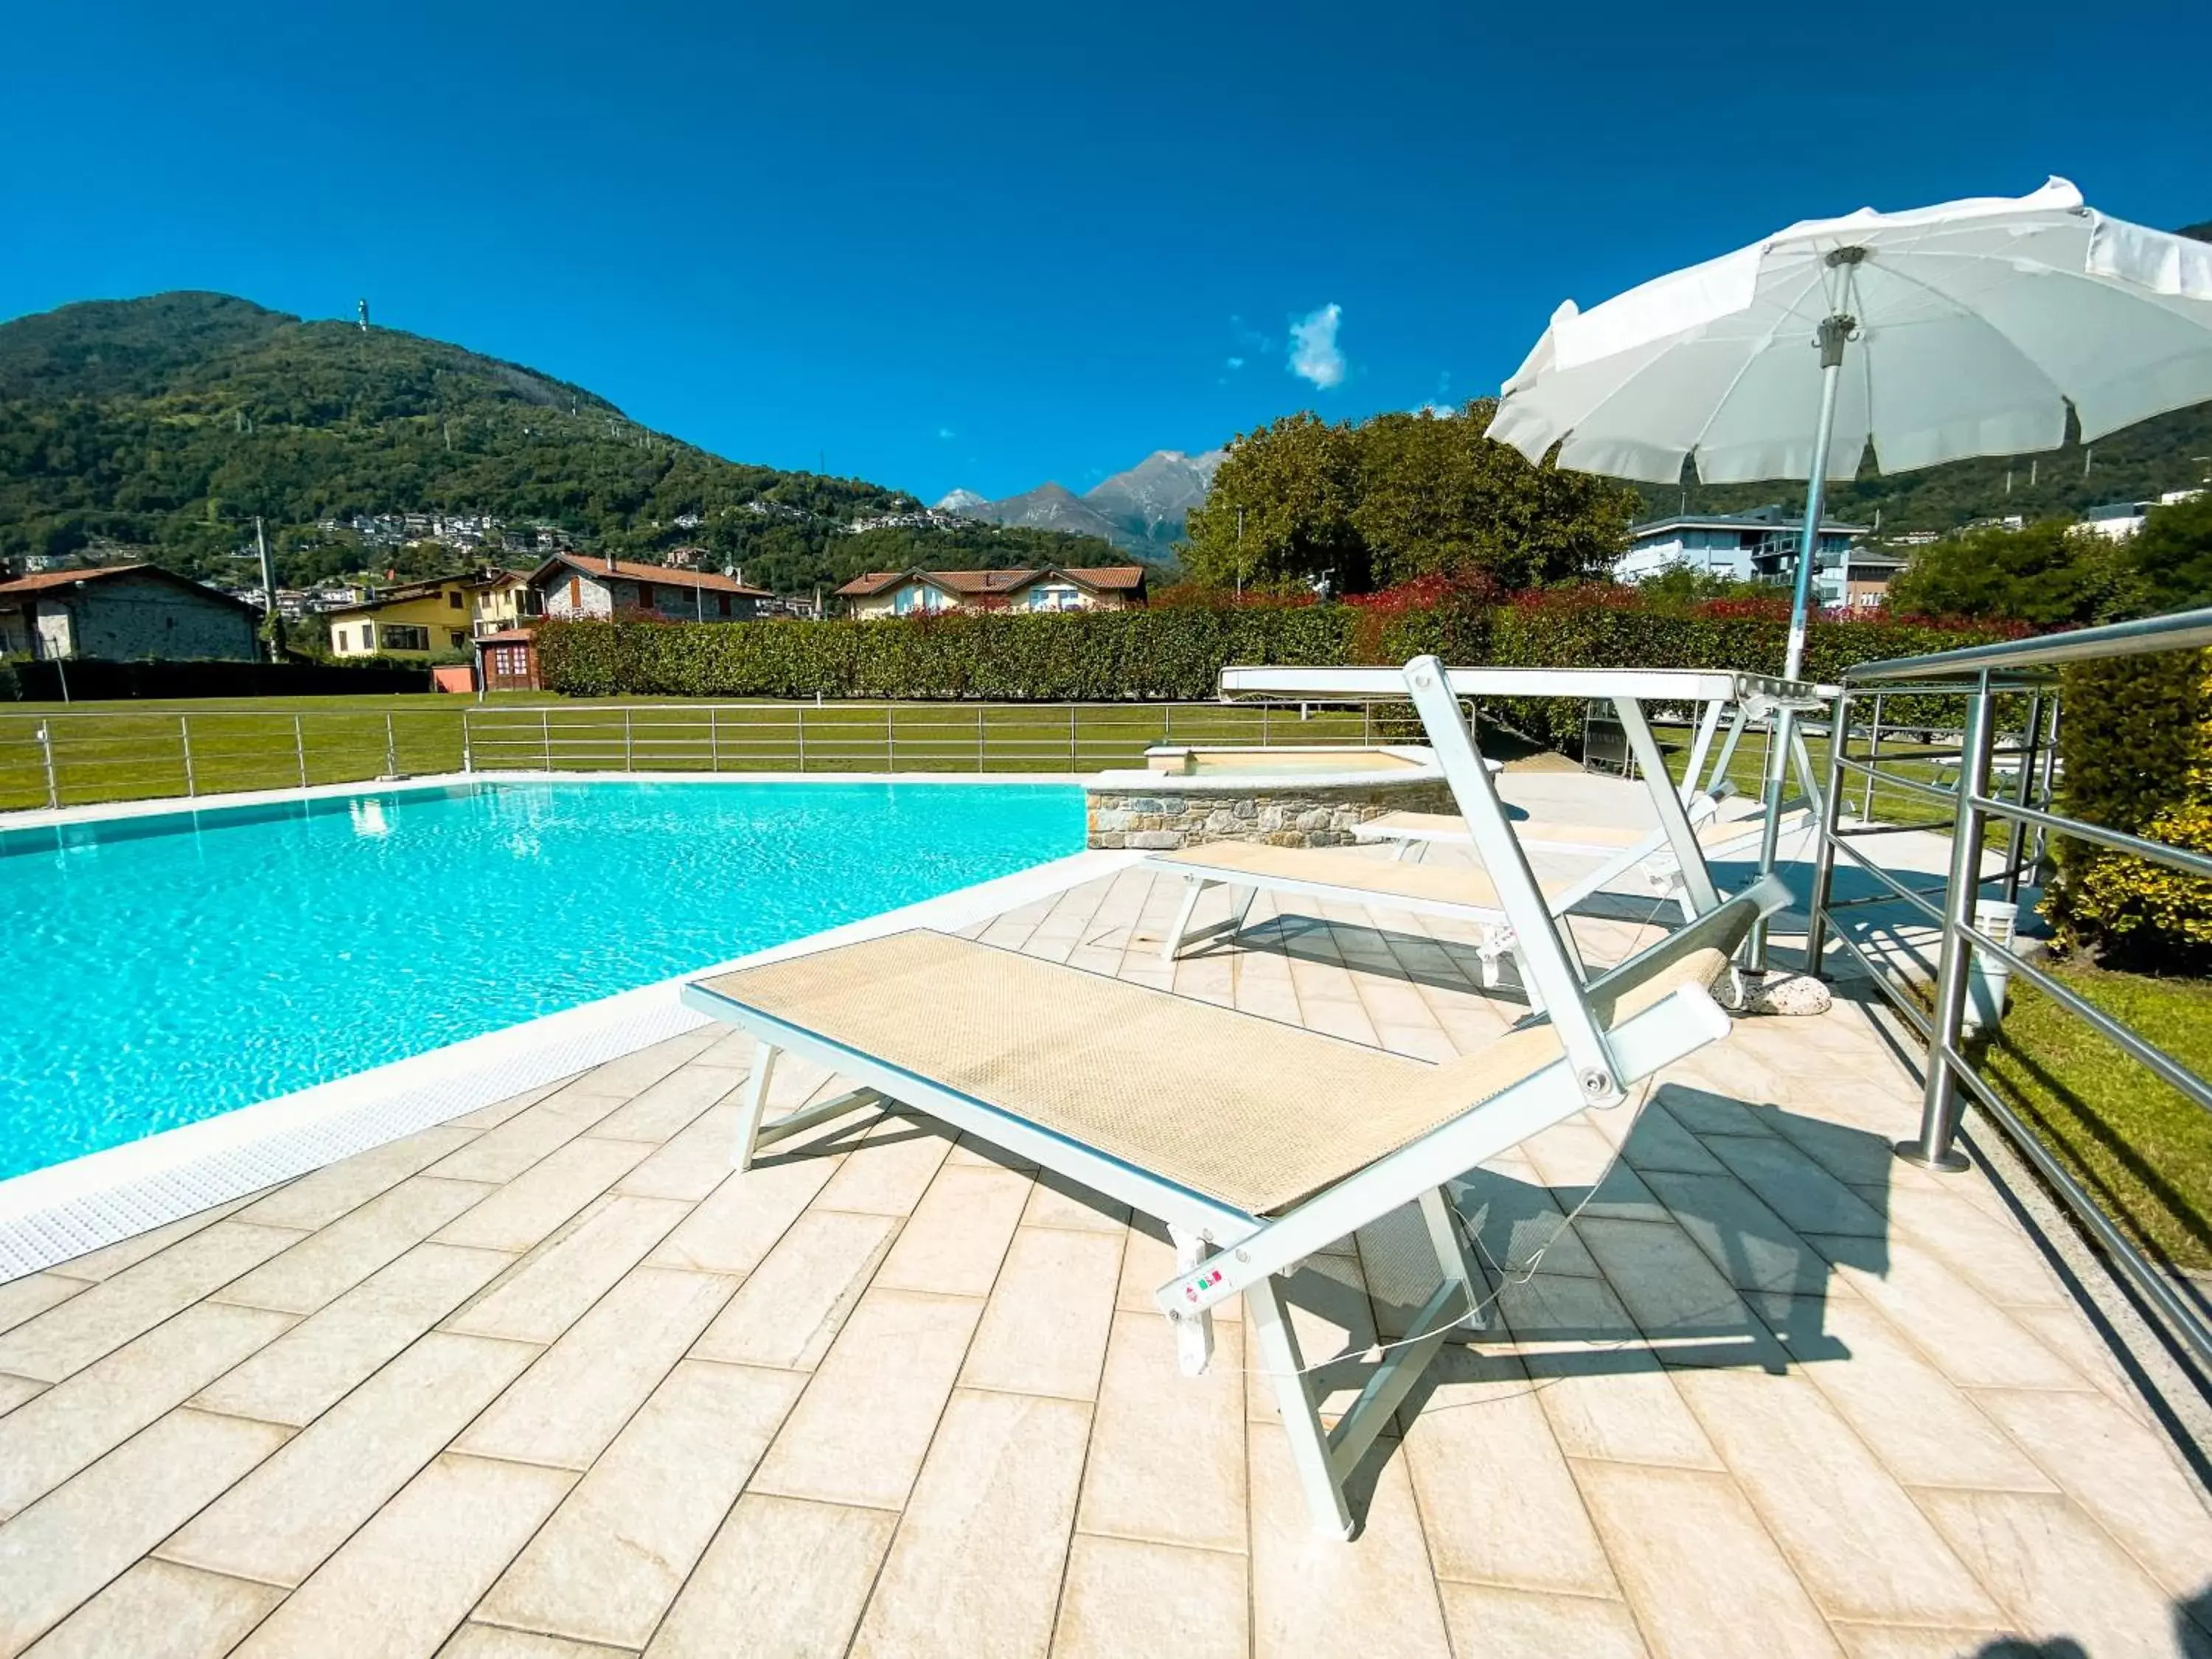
x: 161, y: 970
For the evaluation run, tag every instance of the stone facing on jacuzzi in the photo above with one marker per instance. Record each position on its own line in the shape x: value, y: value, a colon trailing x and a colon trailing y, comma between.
x: 1283, y: 813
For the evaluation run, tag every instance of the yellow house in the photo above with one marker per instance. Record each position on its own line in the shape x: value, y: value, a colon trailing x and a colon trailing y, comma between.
x: 432, y: 618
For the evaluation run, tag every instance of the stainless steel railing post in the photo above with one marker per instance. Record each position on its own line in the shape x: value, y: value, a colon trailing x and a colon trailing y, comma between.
x: 468, y: 754
x: 1824, y: 846
x: 630, y: 745
x: 802, y: 737
x: 1072, y: 765
x: 2017, y: 835
x: 391, y: 750
x: 46, y: 754
x: 1874, y: 759
x: 300, y: 749
x: 185, y: 739
x: 545, y: 735
x: 1939, y: 1101
x: 714, y: 738
x: 979, y: 738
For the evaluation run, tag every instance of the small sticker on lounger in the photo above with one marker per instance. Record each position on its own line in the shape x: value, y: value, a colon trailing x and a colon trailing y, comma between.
x: 1204, y: 1282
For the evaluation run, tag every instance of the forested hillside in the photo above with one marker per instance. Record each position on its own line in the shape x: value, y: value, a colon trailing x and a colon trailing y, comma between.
x: 169, y: 422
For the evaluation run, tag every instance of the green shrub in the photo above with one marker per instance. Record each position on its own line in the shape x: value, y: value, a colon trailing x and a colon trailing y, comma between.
x: 2136, y: 740
x: 1176, y: 652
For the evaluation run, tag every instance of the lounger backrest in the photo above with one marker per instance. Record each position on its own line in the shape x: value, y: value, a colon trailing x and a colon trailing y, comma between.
x: 1546, y: 955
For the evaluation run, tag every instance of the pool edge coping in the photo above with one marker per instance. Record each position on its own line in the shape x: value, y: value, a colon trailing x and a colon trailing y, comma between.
x: 51, y: 1215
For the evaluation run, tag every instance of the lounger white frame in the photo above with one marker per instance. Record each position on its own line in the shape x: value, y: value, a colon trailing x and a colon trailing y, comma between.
x: 1222, y: 1251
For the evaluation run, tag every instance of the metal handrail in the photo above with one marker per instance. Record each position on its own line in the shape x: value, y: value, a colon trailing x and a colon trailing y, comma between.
x: 1979, y: 675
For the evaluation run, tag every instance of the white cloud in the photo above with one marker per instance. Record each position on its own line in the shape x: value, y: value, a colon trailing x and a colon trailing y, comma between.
x: 1315, y: 356
x: 1441, y: 412
x: 1236, y: 362
x: 946, y: 432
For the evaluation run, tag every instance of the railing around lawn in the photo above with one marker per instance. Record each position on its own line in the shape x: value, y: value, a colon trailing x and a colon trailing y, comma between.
x: 2016, y: 800
x: 69, y: 757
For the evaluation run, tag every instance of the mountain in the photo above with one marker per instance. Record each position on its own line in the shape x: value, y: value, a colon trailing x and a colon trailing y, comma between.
x: 167, y: 424
x: 1140, y: 511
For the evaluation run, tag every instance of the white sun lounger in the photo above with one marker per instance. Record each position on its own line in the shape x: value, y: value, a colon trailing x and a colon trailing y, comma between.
x: 1256, y: 1144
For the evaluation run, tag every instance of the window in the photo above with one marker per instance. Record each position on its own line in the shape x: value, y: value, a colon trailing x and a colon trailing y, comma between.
x: 1060, y: 597
x: 576, y: 592
x: 341, y: 639
x: 368, y: 636
x: 453, y: 598
x: 398, y: 636
x: 457, y: 637
x: 645, y: 596
x: 722, y: 602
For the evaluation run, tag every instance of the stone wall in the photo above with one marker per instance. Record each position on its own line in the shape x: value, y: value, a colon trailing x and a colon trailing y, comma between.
x: 1282, y: 815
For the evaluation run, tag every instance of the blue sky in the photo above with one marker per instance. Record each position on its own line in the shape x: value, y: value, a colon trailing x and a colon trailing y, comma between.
x: 990, y: 245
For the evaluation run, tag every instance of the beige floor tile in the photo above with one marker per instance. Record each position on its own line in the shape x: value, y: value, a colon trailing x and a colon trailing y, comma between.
x: 1496, y: 1499
x: 81, y: 1420
x: 953, y: 1242
x: 1584, y: 1171
x: 1604, y: 1393
x: 1754, y: 1248
x: 1044, y: 1328
x: 320, y: 1197
x: 110, y: 1260
x: 474, y: 1641
x: 2123, y: 1473
x: 1859, y: 1545
x: 732, y: 1231
x: 859, y: 1432
x: 1795, y: 1188
x: 491, y: 1116
x: 664, y: 1107
x: 280, y: 1522
x: 63, y: 1339
x: 1334, y: 1323
x: 316, y: 1363
x: 1512, y: 1624
x: 1317, y: 1596
x: 531, y: 1135
x: 159, y: 1610
x: 535, y: 1203
x: 564, y: 1410
x: 999, y: 1487
x: 22, y: 1299
x: 552, y: 1289
x: 62, y: 1550
x: 1057, y: 1201
x: 783, y: 1579
x: 1969, y: 1337
x: 327, y: 1263
x: 1692, y: 1557
x: 1676, y: 1296
x: 1123, y: 1598
x: 1167, y: 1451
x: 691, y: 1163
x: 1517, y: 1223
x: 1705, y: 1112
x: 406, y: 1580
x: 2058, y: 1574
x: 888, y: 1173
x: 791, y: 1308
x: 608, y: 1564
x: 1912, y: 1642
x: 14, y: 1390
x: 2068, y: 1335
x: 1914, y: 1419
x: 1994, y: 1252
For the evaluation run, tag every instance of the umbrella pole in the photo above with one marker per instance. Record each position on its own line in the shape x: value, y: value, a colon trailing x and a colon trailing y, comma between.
x: 1833, y: 332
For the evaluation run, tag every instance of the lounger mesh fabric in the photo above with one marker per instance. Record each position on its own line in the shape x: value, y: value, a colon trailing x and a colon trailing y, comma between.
x: 1224, y: 860
x: 1252, y: 1113
x: 1534, y: 834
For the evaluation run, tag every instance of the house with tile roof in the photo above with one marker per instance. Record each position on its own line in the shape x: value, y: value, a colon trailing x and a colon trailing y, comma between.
x: 919, y: 593
x: 577, y: 585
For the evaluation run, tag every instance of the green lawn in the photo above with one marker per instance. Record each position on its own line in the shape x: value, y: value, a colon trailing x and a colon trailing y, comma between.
x: 135, y: 751
x: 2140, y: 1146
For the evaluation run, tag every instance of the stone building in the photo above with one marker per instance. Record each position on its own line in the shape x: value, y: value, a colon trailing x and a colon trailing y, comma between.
x: 124, y: 613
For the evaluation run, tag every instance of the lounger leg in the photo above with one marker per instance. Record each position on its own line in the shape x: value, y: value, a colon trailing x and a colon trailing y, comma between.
x: 1450, y: 1245
x: 1193, y: 1337
x: 1495, y: 942
x: 752, y: 1105
x: 1276, y: 1347
x: 1239, y: 908
x: 1171, y: 946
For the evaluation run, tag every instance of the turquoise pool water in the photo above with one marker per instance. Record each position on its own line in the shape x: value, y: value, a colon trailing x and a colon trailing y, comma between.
x: 161, y: 970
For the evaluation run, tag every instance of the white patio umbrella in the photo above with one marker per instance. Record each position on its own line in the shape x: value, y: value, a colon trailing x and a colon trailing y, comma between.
x: 1946, y: 332
x: 1942, y: 332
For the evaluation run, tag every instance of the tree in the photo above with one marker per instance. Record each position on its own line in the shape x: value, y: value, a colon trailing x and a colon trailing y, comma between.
x: 2173, y: 555
x: 1396, y: 498
x: 2051, y: 574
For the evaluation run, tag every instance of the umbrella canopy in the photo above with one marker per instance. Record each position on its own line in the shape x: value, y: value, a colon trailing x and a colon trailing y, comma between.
x: 1973, y: 325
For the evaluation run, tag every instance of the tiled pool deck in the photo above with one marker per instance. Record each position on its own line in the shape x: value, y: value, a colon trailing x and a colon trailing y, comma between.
x: 548, y: 1380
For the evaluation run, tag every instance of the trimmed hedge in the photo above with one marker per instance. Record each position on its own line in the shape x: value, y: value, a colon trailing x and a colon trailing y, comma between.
x: 2137, y: 741
x: 1176, y: 652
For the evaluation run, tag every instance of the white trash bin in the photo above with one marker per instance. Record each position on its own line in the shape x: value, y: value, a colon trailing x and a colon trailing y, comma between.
x: 1987, y: 973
